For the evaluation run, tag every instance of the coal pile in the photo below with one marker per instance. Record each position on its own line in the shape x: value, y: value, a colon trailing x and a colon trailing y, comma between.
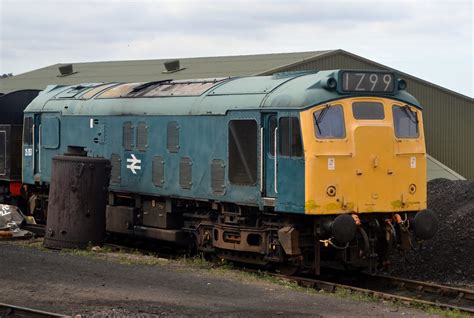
x: 448, y: 258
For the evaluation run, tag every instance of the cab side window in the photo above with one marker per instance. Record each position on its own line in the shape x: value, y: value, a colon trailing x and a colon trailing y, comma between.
x: 290, y: 137
x: 329, y: 123
x: 405, y: 122
x: 243, y: 151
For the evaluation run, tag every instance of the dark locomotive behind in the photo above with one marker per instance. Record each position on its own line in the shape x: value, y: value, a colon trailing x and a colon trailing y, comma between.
x: 11, y: 143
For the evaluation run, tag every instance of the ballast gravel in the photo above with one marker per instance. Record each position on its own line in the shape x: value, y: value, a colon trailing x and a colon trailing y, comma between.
x: 448, y: 258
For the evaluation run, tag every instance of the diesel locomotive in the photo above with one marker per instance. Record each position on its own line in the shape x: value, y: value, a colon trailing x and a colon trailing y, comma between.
x: 290, y: 170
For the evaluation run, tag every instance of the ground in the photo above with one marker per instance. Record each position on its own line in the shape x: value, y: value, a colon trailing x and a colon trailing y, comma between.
x: 73, y: 284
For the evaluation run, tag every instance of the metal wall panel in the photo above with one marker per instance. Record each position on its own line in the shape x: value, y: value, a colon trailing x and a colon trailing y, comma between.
x: 447, y: 116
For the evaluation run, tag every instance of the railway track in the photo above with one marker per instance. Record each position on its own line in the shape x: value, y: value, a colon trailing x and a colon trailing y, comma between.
x: 392, y: 288
x: 7, y: 310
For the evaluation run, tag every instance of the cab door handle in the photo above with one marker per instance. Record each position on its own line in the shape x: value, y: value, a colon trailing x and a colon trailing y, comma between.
x: 376, y: 162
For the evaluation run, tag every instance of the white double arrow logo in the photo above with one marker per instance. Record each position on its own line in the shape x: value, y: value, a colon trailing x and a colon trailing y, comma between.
x: 134, y: 164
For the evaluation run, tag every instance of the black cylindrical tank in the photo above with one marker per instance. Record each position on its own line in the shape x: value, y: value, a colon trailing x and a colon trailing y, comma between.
x: 77, y: 202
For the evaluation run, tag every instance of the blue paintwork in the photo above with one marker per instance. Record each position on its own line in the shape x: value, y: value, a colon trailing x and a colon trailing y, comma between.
x: 96, y: 124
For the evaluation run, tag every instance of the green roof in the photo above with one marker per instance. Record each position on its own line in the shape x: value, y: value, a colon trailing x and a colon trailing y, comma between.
x: 291, y: 90
x: 154, y: 70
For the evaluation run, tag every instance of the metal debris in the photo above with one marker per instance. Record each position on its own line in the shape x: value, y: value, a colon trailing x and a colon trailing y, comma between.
x: 11, y: 219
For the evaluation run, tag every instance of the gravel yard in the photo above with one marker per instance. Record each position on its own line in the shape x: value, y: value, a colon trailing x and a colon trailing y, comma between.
x: 89, y: 286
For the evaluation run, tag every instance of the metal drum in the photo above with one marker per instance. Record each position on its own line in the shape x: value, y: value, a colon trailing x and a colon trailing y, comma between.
x: 77, y: 202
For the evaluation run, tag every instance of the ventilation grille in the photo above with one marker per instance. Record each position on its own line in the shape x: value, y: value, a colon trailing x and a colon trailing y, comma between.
x: 115, y: 173
x: 218, y: 176
x: 65, y: 70
x: 127, y: 141
x: 158, y: 171
x: 142, y: 137
x: 186, y: 173
x: 172, y: 141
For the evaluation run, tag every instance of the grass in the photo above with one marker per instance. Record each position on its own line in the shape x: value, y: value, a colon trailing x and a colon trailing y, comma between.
x: 36, y: 243
x: 226, y: 270
x: 126, y: 257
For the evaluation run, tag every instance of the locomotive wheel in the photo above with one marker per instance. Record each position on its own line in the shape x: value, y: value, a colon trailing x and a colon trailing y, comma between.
x: 289, y: 268
x: 353, y: 268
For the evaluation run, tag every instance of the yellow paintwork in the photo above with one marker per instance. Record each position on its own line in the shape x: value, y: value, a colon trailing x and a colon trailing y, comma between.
x: 373, y: 169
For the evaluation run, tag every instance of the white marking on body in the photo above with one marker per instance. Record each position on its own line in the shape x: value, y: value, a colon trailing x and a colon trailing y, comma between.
x: 134, y: 164
x: 413, y: 162
x: 331, y: 164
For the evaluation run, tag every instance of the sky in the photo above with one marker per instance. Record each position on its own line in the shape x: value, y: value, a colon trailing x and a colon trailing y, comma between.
x: 432, y: 40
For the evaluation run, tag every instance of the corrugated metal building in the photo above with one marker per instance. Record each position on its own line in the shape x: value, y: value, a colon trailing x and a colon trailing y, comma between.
x: 448, y: 115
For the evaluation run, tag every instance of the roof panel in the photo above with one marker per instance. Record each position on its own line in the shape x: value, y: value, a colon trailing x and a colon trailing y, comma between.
x: 152, y: 70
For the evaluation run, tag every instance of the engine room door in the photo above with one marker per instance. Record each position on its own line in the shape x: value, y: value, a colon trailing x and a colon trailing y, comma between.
x: 269, y: 159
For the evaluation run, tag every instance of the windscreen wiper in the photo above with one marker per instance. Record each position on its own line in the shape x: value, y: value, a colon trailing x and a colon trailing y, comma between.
x: 410, y: 114
x: 321, y: 117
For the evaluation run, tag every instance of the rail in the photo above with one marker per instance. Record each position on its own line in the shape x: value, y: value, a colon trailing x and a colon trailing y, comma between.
x: 7, y: 310
x: 393, y: 288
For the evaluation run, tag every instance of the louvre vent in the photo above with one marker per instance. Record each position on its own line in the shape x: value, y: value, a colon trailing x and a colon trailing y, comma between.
x: 127, y: 131
x: 115, y: 173
x: 65, y: 69
x: 218, y: 176
x: 172, y: 66
x: 158, y: 171
x: 186, y: 173
x: 172, y: 142
x: 142, y: 137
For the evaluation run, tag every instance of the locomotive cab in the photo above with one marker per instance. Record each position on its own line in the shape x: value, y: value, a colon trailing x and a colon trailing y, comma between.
x: 365, y: 157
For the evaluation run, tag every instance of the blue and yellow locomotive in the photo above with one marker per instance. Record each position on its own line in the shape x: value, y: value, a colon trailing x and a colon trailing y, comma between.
x: 291, y: 169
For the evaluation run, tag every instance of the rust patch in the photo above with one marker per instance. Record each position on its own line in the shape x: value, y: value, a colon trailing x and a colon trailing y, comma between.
x: 311, y: 206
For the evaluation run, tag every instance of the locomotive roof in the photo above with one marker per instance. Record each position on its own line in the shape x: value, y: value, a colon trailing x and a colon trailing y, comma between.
x: 292, y: 91
x: 13, y: 104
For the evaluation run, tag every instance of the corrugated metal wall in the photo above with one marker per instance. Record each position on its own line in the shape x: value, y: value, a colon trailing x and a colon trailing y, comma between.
x: 448, y: 118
